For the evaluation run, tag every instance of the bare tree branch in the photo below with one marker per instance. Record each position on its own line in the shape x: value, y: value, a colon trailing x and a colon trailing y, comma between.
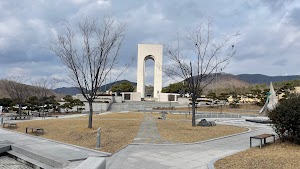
x: 199, y: 66
x: 91, y: 54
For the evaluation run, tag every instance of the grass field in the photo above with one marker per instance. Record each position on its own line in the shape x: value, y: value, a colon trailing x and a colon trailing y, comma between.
x: 243, y: 109
x: 178, y: 116
x: 278, y: 155
x: 117, y: 130
x: 178, y: 129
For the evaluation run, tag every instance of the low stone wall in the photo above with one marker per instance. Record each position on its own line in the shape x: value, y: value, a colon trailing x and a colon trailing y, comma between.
x: 168, y: 111
x: 97, y: 107
x: 117, y: 99
x: 183, y: 101
x: 223, y: 115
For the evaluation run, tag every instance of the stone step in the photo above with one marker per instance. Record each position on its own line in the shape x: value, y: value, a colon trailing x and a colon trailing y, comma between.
x: 29, y: 161
x: 42, y: 157
x: 139, y: 105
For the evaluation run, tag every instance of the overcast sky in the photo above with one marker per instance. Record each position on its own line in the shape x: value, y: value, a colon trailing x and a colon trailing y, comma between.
x: 269, y: 42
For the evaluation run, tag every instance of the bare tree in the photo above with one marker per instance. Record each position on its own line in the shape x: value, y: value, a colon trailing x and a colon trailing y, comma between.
x: 91, y: 54
x: 43, y: 88
x: 17, y: 90
x: 199, y: 66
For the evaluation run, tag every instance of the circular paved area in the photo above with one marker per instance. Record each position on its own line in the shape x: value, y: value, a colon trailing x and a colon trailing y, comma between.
x: 178, y: 156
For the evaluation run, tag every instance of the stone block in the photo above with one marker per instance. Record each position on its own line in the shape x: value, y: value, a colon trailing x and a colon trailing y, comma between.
x: 93, y: 163
x: 4, y: 148
x: 39, y: 156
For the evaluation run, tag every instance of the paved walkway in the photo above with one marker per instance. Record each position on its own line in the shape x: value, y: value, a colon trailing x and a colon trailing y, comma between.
x: 187, y: 156
x: 148, y: 132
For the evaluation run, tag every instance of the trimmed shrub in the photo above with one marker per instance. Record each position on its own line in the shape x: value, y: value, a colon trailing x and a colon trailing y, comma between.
x: 234, y: 104
x: 286, y: 119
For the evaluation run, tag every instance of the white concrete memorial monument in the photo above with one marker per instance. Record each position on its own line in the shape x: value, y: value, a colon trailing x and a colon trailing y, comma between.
x: 145, y: 52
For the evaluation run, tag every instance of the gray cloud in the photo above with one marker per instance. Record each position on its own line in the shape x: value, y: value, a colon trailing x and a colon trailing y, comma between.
x: 281, y: 62
x: 294, y: 17
x: 269, y: 30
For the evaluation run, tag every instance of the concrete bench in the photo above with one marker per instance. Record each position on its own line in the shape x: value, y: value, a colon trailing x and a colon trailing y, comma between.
x: 262, y: 137
x: 10, y: 125
x: 35, y: 129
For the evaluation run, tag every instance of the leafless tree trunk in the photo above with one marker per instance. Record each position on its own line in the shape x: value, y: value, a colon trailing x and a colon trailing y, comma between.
x: 90, y: 55
x: 17, y: 90
x: 199, y: 65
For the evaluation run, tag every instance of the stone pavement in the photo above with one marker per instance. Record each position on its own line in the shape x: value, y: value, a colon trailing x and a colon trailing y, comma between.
x: 148, y: 132
x: 74, y: 155
x: 187, y: 156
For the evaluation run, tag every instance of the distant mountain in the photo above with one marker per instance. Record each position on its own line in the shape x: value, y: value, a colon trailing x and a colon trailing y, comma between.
x: 263, y: 79
x: 67, y: 90
x: 224, y: 80
x: 75, y: 90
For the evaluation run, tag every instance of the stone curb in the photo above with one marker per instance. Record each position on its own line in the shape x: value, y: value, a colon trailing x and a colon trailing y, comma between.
x: 211, y: 164
x: 104, y: 153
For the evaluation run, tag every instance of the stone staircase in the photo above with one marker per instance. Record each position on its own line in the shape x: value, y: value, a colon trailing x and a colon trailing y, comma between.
x: 139, y: 105
x: 31, y: 158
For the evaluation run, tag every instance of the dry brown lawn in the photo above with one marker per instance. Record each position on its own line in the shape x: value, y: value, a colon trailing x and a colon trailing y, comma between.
x: 117, y: 130
x: 179, y: 116
x: 243, y: 109
x: 177, y: 130
x: 278, y: 155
